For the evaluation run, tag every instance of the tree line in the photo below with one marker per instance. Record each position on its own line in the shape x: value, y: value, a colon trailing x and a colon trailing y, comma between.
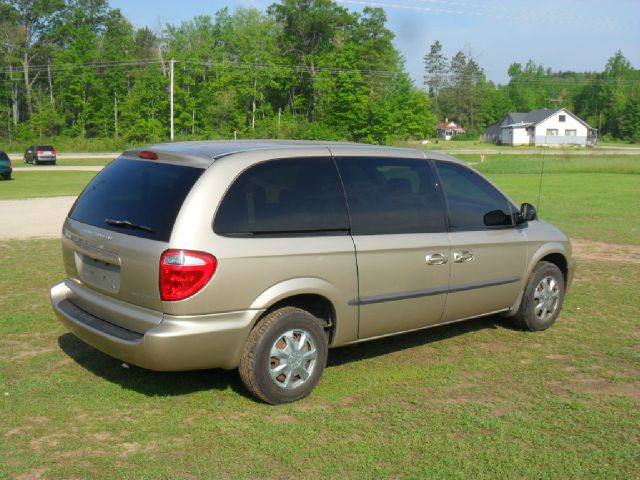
x: 301, y: 69
x: 607, y: 100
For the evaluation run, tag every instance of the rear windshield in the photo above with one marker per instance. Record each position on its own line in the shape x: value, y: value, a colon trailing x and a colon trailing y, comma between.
x: 136, y: 197
x: 44, y: 147
x: 4, y: 156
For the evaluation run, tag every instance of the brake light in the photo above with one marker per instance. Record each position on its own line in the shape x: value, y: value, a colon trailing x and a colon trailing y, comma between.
x: 53, y: 152
x: 147, y: 155
x: 183, y: 273
x: 10, y: 163
x: 40, y: 152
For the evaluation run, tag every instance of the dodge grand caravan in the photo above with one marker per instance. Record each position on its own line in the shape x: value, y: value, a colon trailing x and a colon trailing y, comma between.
x: 263, y: 255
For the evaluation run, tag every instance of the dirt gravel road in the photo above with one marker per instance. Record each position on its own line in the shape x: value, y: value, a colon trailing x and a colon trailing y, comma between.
x: 33, y: 217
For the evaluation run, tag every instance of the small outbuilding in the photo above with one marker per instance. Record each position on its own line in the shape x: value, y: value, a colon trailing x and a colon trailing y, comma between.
x: 541, y: 127
x: 448, y: 129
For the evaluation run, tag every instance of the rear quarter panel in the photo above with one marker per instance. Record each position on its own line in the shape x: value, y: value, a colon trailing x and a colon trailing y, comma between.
x: 255, y: 273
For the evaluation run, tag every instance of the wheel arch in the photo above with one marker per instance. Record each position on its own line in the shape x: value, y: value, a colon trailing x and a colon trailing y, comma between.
x: 555, y: 253
x: 310, y: 294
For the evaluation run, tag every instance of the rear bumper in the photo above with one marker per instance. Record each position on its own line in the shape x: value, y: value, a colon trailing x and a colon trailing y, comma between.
x: 176, y: 343
x: 46, y: 158
x: 4, y: 169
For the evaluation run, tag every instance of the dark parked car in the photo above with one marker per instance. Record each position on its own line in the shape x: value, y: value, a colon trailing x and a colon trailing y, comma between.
x: 38, y: 154
x: 6, y: 166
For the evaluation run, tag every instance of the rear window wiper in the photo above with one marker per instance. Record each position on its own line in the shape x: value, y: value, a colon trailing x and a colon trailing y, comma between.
x: 128, y: 224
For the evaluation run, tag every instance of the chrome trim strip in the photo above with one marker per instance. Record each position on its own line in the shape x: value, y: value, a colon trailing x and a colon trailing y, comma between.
x: 391, y: 297
x: 492, y: 283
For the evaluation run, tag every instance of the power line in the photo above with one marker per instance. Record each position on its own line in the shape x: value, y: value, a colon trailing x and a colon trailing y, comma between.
x: 481, y: 11
x: 64, y: 71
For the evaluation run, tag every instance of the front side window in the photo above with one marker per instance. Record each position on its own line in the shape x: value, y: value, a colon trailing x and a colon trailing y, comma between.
x: 391, y: 195
x: 474, y: 204
x: 299, y: 196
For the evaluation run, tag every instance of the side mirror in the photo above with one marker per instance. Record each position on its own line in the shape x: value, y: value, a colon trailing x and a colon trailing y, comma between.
x: 528, y: 212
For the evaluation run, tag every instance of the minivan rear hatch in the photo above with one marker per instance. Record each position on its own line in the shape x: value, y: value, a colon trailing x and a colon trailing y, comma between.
x: 119, y: 227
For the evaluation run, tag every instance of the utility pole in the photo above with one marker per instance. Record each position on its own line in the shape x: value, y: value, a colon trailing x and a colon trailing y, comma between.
x: 171, y: 62
x: 50, y: 84
x: 115, y: 113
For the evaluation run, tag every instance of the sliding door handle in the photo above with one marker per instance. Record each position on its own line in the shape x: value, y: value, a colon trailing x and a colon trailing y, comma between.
x: 437, y: 258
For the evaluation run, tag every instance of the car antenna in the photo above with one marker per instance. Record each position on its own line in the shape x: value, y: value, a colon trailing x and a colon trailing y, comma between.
x: 541, y: 172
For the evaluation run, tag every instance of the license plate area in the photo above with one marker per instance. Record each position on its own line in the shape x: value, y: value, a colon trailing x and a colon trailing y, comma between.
x: 98, y: 273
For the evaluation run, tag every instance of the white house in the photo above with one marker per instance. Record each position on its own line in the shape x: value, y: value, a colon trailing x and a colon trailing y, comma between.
x: 541, y: 127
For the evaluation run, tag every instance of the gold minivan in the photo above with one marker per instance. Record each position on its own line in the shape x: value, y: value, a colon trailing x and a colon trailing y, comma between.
x: 262, y: 255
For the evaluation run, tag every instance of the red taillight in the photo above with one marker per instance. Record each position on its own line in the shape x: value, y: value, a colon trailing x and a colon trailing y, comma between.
x: 40, y: 152
x: 148, y: 155
x: 10, y: 163
x: 53, y: 152
x: 183, y: 273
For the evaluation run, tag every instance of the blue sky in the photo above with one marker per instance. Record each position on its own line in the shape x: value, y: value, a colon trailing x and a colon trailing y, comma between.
x: 578, y: 35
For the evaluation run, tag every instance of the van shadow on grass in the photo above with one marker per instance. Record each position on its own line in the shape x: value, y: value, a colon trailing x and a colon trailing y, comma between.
x: 151, y: 383
x: 396, y: 343
x: 147, y: 382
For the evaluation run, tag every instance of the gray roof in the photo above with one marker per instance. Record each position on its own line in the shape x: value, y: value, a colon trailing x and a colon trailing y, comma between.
x: 514, y: 117
x: 203, y: 153
x: 529, y: 118
x: 219, y: 148
x: 537, y: 116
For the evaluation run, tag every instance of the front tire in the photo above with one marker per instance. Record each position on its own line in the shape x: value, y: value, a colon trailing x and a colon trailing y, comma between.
x: 284, y: 356
x: 542, y: 298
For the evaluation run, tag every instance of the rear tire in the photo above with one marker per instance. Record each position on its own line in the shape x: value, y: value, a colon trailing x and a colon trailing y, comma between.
x: 6, y: 176
x: 542, y: 298
x: 284, y: 356
x: 35, y: 161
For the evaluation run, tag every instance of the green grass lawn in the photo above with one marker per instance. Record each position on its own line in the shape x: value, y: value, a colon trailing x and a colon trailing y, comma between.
x: 472, y: 400
x: 44, y: 184
x: 601, y: 207
x: 553, y: 163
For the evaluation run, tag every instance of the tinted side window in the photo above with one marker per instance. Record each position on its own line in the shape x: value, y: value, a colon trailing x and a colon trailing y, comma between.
x: 290, y: 196
x: 3, y: 156
x: 474, y: 204
x: 391, y: 195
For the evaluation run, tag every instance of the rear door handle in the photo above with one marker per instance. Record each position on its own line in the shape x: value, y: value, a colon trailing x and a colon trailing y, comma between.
x: 437, y: 258
x: 463, y: 256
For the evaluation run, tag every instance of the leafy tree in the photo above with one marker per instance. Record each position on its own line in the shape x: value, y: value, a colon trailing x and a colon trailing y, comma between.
x: 436, y: 70
x: 33, y: 21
